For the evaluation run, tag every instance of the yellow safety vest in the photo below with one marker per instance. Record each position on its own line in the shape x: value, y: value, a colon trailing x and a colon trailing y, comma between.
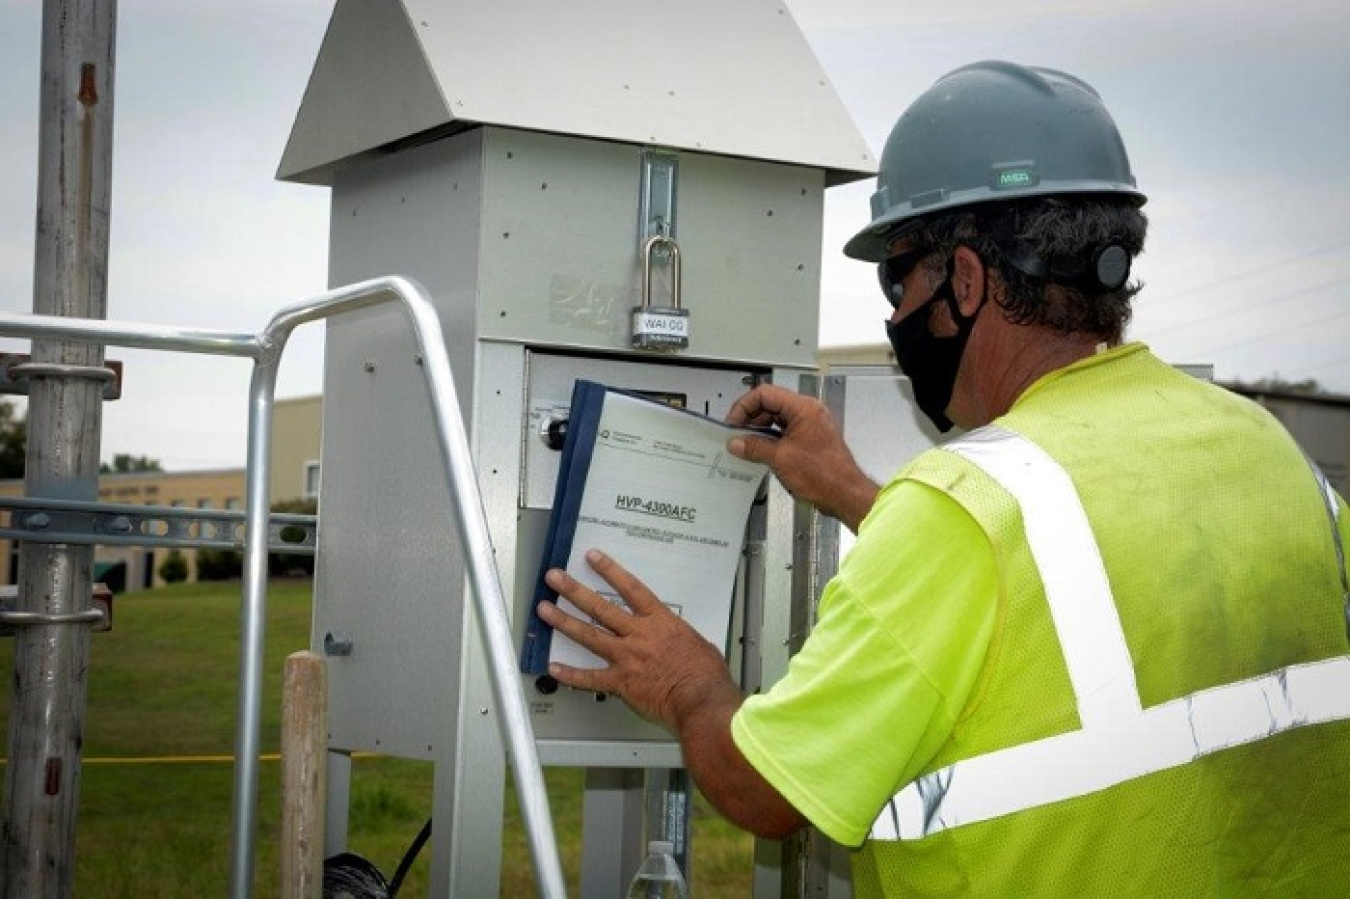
x: 1119, y: 740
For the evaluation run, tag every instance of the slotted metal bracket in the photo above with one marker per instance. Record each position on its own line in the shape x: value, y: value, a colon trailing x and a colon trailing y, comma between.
x: 656, y: 197
x: 108, y: 524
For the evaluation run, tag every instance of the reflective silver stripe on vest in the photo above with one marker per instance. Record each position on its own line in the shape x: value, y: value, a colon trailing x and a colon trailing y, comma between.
x: 1334, y: 513
x: 1086, y: 761
x: 1119, y: 741
x: 1065, y: 551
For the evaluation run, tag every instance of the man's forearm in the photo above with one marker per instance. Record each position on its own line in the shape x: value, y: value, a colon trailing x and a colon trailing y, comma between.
x: 722, y: 773
x: 855, y: 500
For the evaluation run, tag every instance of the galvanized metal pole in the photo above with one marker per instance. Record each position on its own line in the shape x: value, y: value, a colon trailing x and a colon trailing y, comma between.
x: 64, y: 423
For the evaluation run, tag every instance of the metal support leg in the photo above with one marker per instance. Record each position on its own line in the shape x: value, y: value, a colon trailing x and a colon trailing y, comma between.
x: 339, y: 802
x: 612, y: 830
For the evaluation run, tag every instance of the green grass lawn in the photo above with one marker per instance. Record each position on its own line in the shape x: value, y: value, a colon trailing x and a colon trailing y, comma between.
x: 162, y: 684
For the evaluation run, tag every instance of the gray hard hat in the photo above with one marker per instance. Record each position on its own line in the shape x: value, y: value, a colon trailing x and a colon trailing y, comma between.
x: 988, y: 132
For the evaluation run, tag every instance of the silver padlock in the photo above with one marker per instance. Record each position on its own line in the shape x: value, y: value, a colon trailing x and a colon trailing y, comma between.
x: 660, y: 327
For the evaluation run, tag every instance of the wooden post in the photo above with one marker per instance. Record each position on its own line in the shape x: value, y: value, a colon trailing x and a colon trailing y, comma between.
x: 51, y: 661
x: 304, y: 784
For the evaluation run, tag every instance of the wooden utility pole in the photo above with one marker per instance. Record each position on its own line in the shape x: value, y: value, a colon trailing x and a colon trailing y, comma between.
x: 66, y: 380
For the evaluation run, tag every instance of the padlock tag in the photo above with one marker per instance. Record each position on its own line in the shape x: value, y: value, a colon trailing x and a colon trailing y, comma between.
x: 660, y: 328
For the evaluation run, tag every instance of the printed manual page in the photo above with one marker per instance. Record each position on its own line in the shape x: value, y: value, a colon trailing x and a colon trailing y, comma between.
x: 661, y: 495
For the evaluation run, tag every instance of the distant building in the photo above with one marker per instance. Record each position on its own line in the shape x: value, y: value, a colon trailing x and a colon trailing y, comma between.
x: 296, y: 438
x: 297, y: 426
x: 1319, y: 422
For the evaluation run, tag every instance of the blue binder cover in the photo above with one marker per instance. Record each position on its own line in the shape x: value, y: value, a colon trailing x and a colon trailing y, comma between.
x: 588, y: 401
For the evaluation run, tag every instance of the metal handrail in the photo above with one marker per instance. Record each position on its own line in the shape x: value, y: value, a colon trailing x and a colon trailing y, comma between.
x: 265, y: 349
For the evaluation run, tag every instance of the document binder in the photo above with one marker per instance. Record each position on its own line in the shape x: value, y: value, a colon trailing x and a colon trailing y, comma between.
x: 653, y: 487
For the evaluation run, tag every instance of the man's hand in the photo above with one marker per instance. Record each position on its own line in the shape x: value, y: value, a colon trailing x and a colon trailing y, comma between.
x: 669, y: 674
x: 810, y: 459
x: 658, y: 664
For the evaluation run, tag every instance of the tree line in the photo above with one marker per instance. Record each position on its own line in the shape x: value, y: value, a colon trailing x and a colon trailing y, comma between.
x: 14, y: 449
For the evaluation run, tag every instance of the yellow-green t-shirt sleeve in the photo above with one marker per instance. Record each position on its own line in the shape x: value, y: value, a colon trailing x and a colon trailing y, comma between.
x: 900, y: 640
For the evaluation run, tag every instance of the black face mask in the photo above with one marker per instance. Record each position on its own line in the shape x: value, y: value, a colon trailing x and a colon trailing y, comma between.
x: 930, y: 362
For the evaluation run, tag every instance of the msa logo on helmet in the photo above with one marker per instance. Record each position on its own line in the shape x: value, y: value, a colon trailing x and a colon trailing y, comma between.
x: 1014, y: 178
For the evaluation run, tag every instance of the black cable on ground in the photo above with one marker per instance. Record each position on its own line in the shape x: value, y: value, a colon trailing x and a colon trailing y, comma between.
x: 408, y: 858
x: 349, y: 876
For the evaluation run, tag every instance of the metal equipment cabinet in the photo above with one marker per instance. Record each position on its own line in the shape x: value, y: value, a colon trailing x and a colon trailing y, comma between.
x: 517, y: 159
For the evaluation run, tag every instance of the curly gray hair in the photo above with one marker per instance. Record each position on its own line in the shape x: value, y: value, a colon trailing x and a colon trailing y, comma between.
x: 1057, y: 229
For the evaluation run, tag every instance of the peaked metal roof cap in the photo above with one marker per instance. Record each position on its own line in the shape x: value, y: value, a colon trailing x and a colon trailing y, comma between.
x: 731, y: 78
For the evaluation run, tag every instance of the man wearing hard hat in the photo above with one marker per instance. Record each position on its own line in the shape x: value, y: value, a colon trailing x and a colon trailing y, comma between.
x: 1094, y: 645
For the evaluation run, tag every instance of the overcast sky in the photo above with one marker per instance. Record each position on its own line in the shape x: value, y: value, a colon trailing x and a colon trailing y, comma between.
x: 1236, y: 114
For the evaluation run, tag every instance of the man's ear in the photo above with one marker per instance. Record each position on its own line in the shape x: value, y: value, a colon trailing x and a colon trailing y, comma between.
x: 968, y: 280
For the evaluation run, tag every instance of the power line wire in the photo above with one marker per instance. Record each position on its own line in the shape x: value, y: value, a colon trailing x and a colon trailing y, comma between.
x: 1343, y: 313
x: 1249, y: 273
x: 1336, y: 362
x: 1255, y: 304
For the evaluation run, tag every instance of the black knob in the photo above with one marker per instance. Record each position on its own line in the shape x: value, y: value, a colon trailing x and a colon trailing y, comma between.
x: 555, y: 433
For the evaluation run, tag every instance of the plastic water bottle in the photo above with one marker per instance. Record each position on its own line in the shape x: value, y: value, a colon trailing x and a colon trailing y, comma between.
x: 659, y: 877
